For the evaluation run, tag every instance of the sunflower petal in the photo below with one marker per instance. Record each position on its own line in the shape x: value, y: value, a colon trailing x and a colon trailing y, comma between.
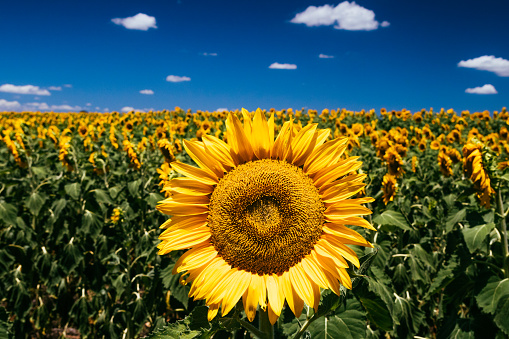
x: 220, y: 151
x: 325, y: 155
x: 197, y: 152
x: 238, y: 287
x: 188, y: 186
x: 261, y: 138
x: 302, y: 284
x: 195, y: 257
x: 194, y: 173
x: 275, y: 293
x: 238, y: 140
x: 295, y: 302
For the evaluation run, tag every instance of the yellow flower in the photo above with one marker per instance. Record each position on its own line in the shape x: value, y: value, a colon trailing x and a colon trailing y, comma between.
x: 165, y: 147
x: 414, y: 163
x: 394, y: 162
x: 445, y: 163
x: 474, y: 169
x: 389, y: 188
x: 265, y: 219
x: 116, y: 216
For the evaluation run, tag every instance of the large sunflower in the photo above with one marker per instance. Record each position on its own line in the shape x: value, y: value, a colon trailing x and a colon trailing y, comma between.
x: 265, y: 219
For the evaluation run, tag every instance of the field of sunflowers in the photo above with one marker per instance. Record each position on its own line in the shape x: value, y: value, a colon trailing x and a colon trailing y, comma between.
x: 83, y: 253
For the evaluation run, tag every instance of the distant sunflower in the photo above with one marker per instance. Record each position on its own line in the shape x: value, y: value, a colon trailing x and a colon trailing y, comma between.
x: 265, y: 219
x: 445, y: 164
x: 474, y: 169
x: 389, y: 188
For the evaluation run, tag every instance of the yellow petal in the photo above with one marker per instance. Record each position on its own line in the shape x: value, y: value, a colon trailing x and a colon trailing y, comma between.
x: 314, y: 271
x: 280, y: 144
x: 261, y: 137
x: 303, y: 144
x: 335, y: 212
x: 237, y: 288
x: 251, y: 297
x: 272, y: 315
x: 213, y: 309
x: 301, y: 284
x: 275, y: 293
x: 295, y: 303
x: 325, y: 155
x: 271, y: 132
x: 184, y: 240
x: 195, y: 173
x: 341, y: 192
x: 195, y: 257
x: 182, y: 198
x: 238, y: 140
x: 174, y: 208
x: 220, y: 151
x: 188, y: 186
x: 248, y: 126
x: 185, y: 221
x: 196, y: 150
x: 345, y: 233
x: 340, y: 248
x: 333, y: 172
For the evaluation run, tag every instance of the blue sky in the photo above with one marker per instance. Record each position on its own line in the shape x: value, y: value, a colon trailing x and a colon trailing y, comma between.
x: 206, y: 55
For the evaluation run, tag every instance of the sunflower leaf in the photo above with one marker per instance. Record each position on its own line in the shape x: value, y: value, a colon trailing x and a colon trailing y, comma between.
x: 492, y: 294
x: 392, y: 218
x: 73, y: 190
x: 476, y: 236
x: 453, y: 218
x: 348, y: 323
x: 8, y: 213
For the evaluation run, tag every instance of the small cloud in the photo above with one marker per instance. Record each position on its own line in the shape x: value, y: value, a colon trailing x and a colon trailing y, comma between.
x: 55, y: 88
x: 486, y: 89
x: 65, y: 108
x: 177, y: 78
x: 147, y: 91
x: 68, y: 85
x: 277, y: 65
x: 489, y: 63
x: 385, y: 24
x: 131, y: 109
x: 88, y: 104
x: 140, y: 22
x: 222, y: 109
x: 346, y: 15
x: 210, y: 54
x: 325, y: 56
x: 9, y: 105
x: 26, y: 89
x: 97, y: 108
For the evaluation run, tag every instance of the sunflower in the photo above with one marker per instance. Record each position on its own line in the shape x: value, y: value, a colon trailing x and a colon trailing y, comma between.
x: 265, y: 219
x: 445, y: 164
x: 474, y: 169
x: 389, y: 188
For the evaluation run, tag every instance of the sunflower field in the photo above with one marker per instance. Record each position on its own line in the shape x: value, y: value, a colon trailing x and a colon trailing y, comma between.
x: 87, y: 247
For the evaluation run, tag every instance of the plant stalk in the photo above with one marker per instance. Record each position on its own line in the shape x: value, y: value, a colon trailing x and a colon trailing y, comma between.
x: 502, y: 227
x: 264, y: 324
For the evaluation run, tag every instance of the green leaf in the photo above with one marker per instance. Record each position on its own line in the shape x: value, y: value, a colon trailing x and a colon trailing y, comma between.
x: 73, y: 190
x: 408, y: 314
x: 133, y: 187
x: 377, y: 312
x: 35, y: 202
x: 443, y: 278
x: 475, y: 236
x: 8, y: 213
x: 392, y: 218
x: 502, y: 316
x: 458, y: 333
x: 453, y: 218
x: 153, y: 199
x: 494, y: 291
x: 172, y: 282
x: 102, y: 197
x: 348, y: 323
x: 114, y: 191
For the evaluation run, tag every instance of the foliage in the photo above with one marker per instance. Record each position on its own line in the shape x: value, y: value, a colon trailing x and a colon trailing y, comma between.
x: 79, y: 229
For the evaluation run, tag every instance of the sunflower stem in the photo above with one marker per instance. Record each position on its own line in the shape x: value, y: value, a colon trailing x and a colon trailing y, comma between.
x: 502, y: 226
x: 264, y: 324
x: 256, y: 332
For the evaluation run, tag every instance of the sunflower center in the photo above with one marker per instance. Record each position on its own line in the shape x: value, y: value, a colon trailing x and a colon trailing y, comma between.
x: 265, y: 216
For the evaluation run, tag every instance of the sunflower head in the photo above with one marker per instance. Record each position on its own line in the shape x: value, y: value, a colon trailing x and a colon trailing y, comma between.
x: 265, y: 218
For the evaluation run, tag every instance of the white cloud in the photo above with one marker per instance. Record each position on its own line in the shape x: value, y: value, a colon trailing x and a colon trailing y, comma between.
x: 140, y: 22
x: 498, y: 66
x: 88, y: 104
x: 346, y: 15
x: 147, y: 91
x: 222, y: 109
x: 68, y: 85
x: 486, y: 89
x: 55, y: 88
x: 177, y: 78
x: 210, y: 54
x: 385, y: 24
x: 26, y: 89
x: 325, y: 56
x: 130, y: 109
x: 277, y: 65
x: 9, y: 105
